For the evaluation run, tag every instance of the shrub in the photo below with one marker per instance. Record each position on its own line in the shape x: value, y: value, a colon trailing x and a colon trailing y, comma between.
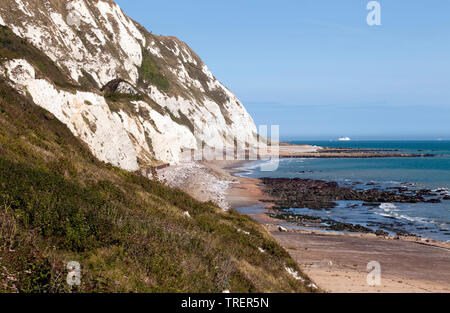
x: 66, y: 212
x: 150, y: 72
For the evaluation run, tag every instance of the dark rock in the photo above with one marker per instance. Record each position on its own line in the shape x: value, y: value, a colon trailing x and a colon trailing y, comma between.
x: 380, y: 232
x: 318, y: 194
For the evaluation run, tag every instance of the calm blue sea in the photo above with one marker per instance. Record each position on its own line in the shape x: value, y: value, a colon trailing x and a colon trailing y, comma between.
x: 424, y: 219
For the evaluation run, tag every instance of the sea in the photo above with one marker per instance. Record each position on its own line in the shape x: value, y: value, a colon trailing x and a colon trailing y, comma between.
x: 428, y: 220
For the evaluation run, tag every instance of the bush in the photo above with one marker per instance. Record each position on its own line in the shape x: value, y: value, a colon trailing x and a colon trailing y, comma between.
x: 149, y: 72
x: 66, y: 212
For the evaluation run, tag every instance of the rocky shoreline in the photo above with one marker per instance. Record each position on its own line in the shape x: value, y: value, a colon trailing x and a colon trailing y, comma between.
x: 336, y: 260
x: 320, y: 194
x: 296, y: 193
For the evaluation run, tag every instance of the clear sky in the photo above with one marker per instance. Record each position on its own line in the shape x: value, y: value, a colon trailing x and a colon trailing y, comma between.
x: 316, y: 68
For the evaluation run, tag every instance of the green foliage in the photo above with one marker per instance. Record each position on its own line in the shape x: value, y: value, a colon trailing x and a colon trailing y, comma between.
x: 115, y: 97
x: 37, y: 277
x: 150, y: 72
x: 65, y: 212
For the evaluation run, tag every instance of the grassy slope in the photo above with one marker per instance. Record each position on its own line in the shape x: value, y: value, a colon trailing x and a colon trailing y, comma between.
x: 59, y: 204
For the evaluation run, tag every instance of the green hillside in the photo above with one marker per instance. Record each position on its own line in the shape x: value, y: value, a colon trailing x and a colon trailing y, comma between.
x: 59, y: 204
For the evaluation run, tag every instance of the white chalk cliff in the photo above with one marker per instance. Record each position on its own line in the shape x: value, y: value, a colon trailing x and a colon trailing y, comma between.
x: 133, y: 97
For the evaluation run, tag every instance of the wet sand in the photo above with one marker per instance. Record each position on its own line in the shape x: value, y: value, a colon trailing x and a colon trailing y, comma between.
x: 338, y: 263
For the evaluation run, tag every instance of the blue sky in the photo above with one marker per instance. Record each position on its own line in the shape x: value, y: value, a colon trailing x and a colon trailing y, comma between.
x: 316, y: 68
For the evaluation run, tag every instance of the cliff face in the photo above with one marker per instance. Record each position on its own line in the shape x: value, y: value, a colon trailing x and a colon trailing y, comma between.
x: 133, y: 97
